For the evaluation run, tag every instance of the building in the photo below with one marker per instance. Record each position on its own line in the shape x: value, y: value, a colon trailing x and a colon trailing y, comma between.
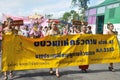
x: 98, y: 16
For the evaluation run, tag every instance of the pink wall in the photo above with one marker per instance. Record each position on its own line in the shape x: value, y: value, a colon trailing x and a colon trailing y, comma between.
x: 92, y: 11
x: 92, y: 20
x: 92, y: 16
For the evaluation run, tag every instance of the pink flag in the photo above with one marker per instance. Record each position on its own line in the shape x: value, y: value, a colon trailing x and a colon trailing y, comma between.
x: 5, y: 16
x: 44, y: 23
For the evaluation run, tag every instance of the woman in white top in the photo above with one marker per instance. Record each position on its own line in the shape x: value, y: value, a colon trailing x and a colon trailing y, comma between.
x: 83, y: 67
x: 25, y: 31
x: 110, y: 31
x: 54, y: 31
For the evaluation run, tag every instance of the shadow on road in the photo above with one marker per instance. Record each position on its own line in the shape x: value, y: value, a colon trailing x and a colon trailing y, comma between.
x: 104, y: 70
x: 62, y: 73
x: 36, y: 74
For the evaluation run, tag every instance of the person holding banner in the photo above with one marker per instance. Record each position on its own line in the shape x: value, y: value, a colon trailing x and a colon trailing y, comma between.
x: 84, y: 67
x: 24, y: 31
x: 0, y: 38
x: 8, y: 31
x: 89, y: 30
x: 34, y: 33
x: 76, y: 30
x: 110, y: 31
x: 54, y: 31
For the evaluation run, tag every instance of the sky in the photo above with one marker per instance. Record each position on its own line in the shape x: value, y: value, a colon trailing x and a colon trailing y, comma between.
x: 30, y: 7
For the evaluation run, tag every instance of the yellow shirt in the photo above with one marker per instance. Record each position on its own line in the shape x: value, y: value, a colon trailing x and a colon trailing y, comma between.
x: 8, y: 33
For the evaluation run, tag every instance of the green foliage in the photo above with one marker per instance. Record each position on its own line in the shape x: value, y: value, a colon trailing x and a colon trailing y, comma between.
x: 70, y: 15
x: 80, y: 3
x: 66, y: 16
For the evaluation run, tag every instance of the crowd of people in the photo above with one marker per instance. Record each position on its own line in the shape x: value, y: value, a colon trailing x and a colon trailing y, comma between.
x: 37, y: 31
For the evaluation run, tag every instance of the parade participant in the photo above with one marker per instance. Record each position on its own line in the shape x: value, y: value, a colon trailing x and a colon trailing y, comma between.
x: 8, y: 31
x: 16, y: 30
x: 83, y: 31
x: 45, y: 30
x: 41, y: 31
x: 89, y: 30
x: 0, y: 37
x: 110, y: 31
x: 71, y: 30
x: 65, y: 31
x: 34, y: 33
x: 74, y: 30
x: 54, y: 31
x: 24, y: 31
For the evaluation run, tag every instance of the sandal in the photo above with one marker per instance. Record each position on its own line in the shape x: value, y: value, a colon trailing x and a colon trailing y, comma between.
x: 5, y: 77
x: 51, y: 72
x: 57, y: 75
x: 111, y: 69
x: 11, y: 74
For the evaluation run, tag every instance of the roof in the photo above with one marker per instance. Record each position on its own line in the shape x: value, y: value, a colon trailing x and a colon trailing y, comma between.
x: 106, y: 2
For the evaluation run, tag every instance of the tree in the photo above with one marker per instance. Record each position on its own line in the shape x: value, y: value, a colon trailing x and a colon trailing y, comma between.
x: 82, y: 4
x: 66, y: 16
x: 72, y: 15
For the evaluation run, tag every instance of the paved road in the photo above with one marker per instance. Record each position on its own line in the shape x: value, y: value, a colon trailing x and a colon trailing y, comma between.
x: 95, y: 72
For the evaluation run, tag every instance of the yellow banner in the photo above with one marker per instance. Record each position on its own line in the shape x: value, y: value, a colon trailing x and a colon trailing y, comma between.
x: 21, y: 53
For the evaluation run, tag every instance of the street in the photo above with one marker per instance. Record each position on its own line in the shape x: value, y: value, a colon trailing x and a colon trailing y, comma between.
x: 38, y: 35
x: 95, y: 72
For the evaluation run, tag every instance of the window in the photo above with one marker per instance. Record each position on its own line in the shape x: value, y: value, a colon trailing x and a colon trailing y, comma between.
x: 101, y: 10
x: 111, y: 13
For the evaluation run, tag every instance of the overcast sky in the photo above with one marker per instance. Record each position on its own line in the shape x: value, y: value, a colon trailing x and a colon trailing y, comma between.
x: 29, y: 7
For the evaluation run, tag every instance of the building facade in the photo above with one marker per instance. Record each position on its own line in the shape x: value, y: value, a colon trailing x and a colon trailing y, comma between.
x: 106, y: 12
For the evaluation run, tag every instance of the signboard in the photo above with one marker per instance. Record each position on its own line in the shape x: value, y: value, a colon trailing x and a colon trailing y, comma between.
x: 15, y: 22
x: 77, y: 22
